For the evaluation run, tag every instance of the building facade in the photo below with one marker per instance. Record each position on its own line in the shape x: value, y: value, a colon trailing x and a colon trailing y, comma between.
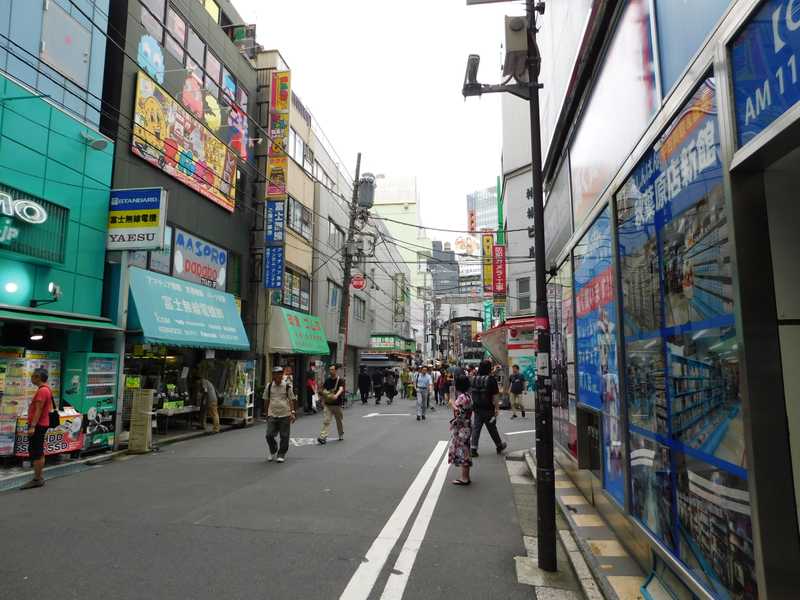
x: 674, y: 302
x: 482, y: 210
x: 55, y: 177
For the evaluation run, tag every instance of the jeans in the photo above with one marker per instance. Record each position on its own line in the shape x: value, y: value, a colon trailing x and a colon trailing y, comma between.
x: 276, y: 425
x: 481, y: 418
x: 423, y: 397
x: 331, y: 411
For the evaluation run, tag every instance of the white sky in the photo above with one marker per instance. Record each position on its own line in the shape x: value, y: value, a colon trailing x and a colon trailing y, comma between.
x: 384, y: 78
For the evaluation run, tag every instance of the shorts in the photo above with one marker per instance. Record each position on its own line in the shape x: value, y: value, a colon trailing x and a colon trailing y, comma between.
x: 36, y: 443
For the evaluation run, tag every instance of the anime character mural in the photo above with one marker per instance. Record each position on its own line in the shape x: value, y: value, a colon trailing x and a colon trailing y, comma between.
x: 151, y: 58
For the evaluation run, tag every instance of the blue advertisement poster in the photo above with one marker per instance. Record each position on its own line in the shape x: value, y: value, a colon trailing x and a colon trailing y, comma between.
x: 687, y: 454
x: 765, y: 68
x: 273, y: 267
x: 276, y: 221
x: 596, y: 344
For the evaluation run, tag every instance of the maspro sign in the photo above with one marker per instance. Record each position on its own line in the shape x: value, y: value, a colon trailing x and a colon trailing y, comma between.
x: 198, y: 261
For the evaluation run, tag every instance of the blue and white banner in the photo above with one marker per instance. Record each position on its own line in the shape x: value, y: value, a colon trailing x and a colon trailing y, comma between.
x: 276, y: 221
x: 273, y: 267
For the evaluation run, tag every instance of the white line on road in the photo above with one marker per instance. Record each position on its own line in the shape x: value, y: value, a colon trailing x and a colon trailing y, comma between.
x: 370, y: 415
x: 363, y: 580
x: 519, y: 432
x: 396, y: 585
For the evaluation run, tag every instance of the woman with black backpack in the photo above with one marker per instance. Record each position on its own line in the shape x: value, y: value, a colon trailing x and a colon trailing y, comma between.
x: 485, y: 398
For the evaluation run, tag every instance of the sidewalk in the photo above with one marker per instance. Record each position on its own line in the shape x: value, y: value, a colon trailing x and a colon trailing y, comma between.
x: 572, y: 581
x: 604, y: 567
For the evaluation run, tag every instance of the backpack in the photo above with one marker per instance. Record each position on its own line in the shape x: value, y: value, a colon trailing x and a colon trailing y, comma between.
x: 481, y: 399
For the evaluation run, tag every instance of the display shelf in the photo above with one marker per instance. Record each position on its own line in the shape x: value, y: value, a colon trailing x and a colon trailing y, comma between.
x: 695, y: 420
x: 687, y: 392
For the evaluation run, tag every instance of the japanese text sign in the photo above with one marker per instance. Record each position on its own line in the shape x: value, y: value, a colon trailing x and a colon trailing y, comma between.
x: 499, y: 269
x: 136, y: 219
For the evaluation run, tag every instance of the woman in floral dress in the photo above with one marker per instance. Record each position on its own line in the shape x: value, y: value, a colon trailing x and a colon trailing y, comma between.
x: 461, y: 431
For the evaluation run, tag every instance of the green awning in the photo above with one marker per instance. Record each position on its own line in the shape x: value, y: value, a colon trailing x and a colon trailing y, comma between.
x: 293, y: 332
x: 56, y: 320
x: 173, y: 312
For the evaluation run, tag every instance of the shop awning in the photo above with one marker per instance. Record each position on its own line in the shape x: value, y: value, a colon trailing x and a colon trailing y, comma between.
x: 293, y: 332
x: 56, y: 320
x: 178, y: 313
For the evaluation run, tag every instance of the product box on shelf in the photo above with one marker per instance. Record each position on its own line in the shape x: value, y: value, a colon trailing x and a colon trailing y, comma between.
x: 67, y: 437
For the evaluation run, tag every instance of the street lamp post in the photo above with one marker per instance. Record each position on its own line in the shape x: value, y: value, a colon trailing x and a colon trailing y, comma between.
x: 545, y: 470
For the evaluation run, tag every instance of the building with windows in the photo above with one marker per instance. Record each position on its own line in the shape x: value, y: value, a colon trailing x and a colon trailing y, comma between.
x: 55, y: 176
x: 482, y: 209
x: 673, y: 304
x: 397, y: 201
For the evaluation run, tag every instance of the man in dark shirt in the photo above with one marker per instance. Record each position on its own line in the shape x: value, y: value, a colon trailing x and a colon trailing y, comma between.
x: 485, y: 392
x: 364, y: 383
x: 377, y: 385
x: 333, y: 397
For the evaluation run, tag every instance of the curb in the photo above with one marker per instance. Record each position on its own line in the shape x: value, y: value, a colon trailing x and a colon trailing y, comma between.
x: 590, y: 578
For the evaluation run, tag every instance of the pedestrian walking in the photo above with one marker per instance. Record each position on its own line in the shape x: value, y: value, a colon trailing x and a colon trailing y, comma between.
x: 332, y: 396
x: 516, y: 388
x: 424, y: 388
x: 364, y: 383
x: 485, y: 399
x: 39, y: 411
x: 441, y: 386
x: 412, y: 383
x: 377, y: 385
x: 209, y: 404
x: 459, y: 454
x: 435, y: 374
x: 311, y: 390
x: 279, y: 401
x: 405, y: 380
x: 390, y: 385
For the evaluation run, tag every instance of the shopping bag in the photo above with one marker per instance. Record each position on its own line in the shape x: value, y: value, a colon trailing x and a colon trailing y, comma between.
x: 315, y: 402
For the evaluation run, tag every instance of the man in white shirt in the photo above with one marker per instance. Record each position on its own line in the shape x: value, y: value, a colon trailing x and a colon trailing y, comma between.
x: 424, y: 387
x: 279, y: 402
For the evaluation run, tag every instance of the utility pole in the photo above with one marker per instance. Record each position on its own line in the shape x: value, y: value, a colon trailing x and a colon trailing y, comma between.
x: 545, y: 471
x: 344, y: 310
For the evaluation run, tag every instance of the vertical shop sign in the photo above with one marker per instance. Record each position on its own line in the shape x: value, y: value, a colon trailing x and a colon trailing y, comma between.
x: 277, y: 159
x: 596, y: 321
x: 276, y: 221
x: 488, y: 310
x: 487, y: 244
x: 687, y: 450
x: 499, y: 270
x: 273, y: 267
x: 764, y: 59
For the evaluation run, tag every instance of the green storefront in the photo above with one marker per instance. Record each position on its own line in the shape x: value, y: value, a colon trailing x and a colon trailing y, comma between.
x: 55, y: 173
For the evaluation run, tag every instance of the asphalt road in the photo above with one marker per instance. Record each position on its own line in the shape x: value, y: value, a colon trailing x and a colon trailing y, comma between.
x: 209, y: 518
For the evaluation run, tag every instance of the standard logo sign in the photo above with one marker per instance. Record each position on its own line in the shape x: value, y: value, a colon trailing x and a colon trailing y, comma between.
x: 136, y: 219
x: 198, y: 261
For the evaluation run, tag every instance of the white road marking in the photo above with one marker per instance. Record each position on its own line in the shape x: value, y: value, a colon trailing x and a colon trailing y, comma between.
x: 370, y: 415
x: 396, y: 585
x: 363, y: 580
x: 520, y: 432
x: 303, y: 441
x: 203, y: 519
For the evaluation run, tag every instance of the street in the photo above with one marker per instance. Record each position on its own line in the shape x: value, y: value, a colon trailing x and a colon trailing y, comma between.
x: 210, y: 518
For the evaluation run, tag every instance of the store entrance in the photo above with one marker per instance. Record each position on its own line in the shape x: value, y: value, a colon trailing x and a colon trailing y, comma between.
x: 783, y: 213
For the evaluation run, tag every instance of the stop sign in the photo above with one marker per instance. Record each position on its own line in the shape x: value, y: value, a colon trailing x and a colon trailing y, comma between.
x: 358, y: 281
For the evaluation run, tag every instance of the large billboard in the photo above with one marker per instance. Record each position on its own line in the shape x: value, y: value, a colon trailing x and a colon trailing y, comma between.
x: 168, y: 137
x: 487, y: 244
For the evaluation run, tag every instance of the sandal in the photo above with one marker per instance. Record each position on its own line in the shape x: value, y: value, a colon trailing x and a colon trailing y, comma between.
x: 461, y: 482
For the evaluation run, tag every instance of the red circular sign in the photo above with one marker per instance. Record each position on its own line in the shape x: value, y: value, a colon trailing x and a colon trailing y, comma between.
x: 358, y: 282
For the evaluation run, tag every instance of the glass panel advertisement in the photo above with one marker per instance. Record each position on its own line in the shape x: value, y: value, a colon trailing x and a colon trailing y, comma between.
x: 596, y: 331
x: 688, y: 469
x: 562, y: 353
x: 168, y: 137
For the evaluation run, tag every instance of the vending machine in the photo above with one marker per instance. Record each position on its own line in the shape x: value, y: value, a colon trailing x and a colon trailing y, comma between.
x: 90, y: 386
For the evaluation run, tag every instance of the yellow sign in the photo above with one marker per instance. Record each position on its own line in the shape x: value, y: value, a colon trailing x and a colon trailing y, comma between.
x: 277, y: 160
x: 487, y: 243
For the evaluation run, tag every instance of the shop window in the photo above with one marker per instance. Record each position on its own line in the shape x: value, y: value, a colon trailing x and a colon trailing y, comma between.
x: 194, y: 69
x: 308, y: 159
x: 211, y: 87
x: 524, y: 293
x: 213, y: 67
x: 562, y: 355
x: 687, y: 451
x: 334, y: 293
x: 65, y: 44
x: 359, y: 308
x: 596, y: 341
x: 152, y: 25
x: 156, y: 7
x: 291, y: 142
x: 296, y: 290
x: 296, y: 146
x: 228, y: 84
x: 300, y: 219
x: 176, y: 35
x: 243, y: 98
x: 195, y: 46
